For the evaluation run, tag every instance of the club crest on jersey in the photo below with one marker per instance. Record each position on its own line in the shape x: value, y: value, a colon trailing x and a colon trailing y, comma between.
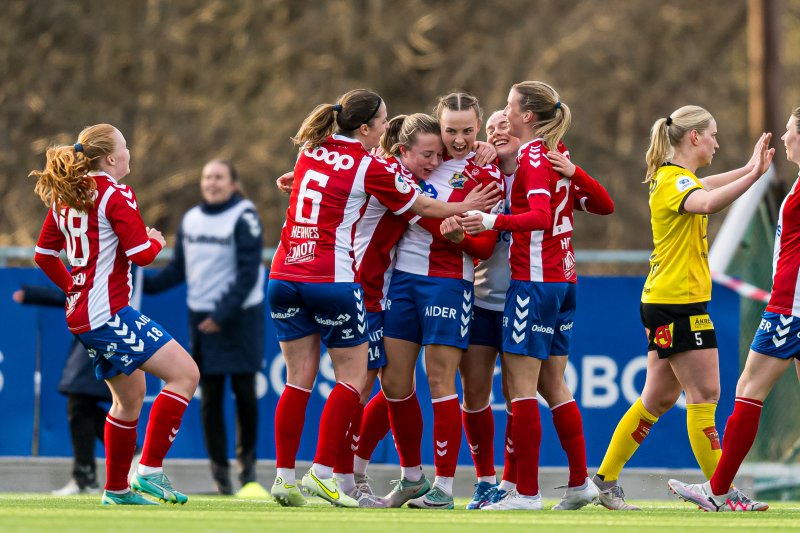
x: 475, y: 171
x: 301, y: 252
x: 457, y: 181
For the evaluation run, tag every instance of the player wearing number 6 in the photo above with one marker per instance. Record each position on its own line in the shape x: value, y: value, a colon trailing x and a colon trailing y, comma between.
x: 312, y: 290
x: 96, y: 220
x: 682, y: 346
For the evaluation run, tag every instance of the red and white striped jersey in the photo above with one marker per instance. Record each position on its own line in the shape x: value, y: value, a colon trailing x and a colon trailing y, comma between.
x: 542, y: 255
x: 98, y: 244
x: 377, y: 234
x: 332, y: 185
x: 493, y: 275
x: 418, y: 252
x: 785, y: 297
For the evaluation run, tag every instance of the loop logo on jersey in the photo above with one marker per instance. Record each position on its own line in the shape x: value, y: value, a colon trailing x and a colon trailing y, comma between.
x: 302, y: 252
x: 333, y: 158
x: 700, y: 322
x: 663, y: 336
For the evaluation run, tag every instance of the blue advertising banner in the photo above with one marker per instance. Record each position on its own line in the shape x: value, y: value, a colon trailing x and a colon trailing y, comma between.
x: 606, y: 372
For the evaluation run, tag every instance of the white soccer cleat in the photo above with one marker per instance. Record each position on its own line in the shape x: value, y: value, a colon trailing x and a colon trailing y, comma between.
x: 576, y: 497
x: 700, y: 494
x: 514, y: 501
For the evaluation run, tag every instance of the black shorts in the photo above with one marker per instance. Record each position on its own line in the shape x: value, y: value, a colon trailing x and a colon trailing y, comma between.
x: 676, y: 328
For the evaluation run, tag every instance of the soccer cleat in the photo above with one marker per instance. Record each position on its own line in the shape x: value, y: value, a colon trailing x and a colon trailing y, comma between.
x: 514, y: 501
x: 362, y: 484
x: 327, y: 489
x: 482, y: 495
x: 405, y: 490
x: 613, y: 499
x: 700, y: 494
x: 576, y: 497
x: 158, y: 486
x: 495, y: 495
x: 367, y: 500
x: 287, y: 495
x: 127, y: 498
x: 72, y: 488
x: 435, y: 498
x: 253, y: 491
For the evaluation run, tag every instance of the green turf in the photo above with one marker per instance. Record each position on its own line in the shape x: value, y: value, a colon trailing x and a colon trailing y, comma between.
x: 37, y: 512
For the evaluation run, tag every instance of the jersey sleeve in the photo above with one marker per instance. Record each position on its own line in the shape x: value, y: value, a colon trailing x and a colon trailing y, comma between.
x: 123, y: 214
x: 675, y: 189
x: 48, y: 250
x: 390, y: 188
x: 590, y: 195
x: 536, y: 181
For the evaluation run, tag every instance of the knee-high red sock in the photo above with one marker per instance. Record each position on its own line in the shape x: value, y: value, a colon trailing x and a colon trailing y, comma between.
x: 740, y: 433
x: 509, y: 459
x: 344, y: 461
x: 119, y: 437
x: 479, y: 427
x: 337, y: 417
x: 569, y: 427
x: 405, y: 417
x: 290, y: 415
x: 162, y: 427
x: 446, y: 434
x: 527, y: 434
x: 374, y: 425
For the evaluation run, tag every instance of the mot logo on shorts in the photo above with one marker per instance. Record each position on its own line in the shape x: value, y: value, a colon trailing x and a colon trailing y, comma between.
x: 663, y: 336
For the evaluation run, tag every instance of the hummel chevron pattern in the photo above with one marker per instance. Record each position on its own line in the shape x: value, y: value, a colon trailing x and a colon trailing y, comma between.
x: 466, y: 316
x: 441, y: 448
x: 122, y: 331
x: 520, y: 319
x: 362, y: 314
x: 782, y: 332
x: 535, y: 156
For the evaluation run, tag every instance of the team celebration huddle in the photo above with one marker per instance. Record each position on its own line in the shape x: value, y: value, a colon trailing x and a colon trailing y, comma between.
x: 410, y: 236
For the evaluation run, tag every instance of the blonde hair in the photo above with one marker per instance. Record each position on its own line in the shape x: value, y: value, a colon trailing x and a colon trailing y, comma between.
x: 404, y: 129
x: 352, y: 109
x: 64, y: 180
x: 458, y: 101
x: 553, y: 117
x: 667, y: 133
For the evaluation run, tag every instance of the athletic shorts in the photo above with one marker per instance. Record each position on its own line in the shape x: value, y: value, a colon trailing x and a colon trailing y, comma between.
x: 377, y: 353
x: 676, y: 328
x: 334, y: 310
x: 427, y: 310
x: 778, y: 336
x: 487, y: 328
x: 538, y: 318
x: 124, y: 343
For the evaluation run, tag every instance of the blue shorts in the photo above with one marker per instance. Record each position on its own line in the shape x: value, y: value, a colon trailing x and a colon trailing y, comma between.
x: 377, y: 353
x: 538, y: 318
x: 487, y: 328
x: 124, y: 343
x: 334, y: 310
x: 426, y: 310
x: 777, y: 336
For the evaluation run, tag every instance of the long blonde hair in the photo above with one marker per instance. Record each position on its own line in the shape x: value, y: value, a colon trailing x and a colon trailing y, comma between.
x: 404, y: 129
x: 64, y: 180
x: 553, y: 117
x: 352, y: 109
x: 668, y: 132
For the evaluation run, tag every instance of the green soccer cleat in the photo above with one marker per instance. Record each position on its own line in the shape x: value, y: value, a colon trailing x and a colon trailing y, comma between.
x: 127, y: 498
x: 327, y: 489
x: 405, y: 490
x: 158, y: 486
x: 287, y: 495
x: 435, y: 498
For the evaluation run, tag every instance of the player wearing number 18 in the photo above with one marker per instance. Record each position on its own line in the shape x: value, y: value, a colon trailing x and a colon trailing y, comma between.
x: 97, y: 220
x: 312, y: 291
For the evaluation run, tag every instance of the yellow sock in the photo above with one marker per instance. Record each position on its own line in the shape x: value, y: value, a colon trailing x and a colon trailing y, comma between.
x: 631, y: 431
x: 703, y: 435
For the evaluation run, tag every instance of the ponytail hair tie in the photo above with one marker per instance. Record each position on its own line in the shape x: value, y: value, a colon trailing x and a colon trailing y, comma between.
x: 669, y: 121
x: 337, y: 107
x: 558, y: 104
x: 78, y: 147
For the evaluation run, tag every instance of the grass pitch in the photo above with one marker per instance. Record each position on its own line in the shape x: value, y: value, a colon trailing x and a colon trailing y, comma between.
x: 38, y: 512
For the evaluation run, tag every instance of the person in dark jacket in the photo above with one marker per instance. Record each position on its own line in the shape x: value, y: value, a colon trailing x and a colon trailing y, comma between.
x: 218, y: 254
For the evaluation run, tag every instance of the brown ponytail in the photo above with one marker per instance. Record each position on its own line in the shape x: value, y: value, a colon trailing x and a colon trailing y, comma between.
x: 354, y: 108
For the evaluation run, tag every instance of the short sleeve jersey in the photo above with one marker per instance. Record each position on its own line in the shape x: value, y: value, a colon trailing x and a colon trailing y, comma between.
x: 332, y: 185
x: 98, y: 244
x: 679, y: 272
x: 785, y: 298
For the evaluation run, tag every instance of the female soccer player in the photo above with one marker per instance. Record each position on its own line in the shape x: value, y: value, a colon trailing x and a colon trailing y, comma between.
x: 774, y: 347
x: 429, y: 304
x: 682, y: 344
x: 540, y: 303
x: 312, y: 291
x: 492, y: 279
x: 96, y: 219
